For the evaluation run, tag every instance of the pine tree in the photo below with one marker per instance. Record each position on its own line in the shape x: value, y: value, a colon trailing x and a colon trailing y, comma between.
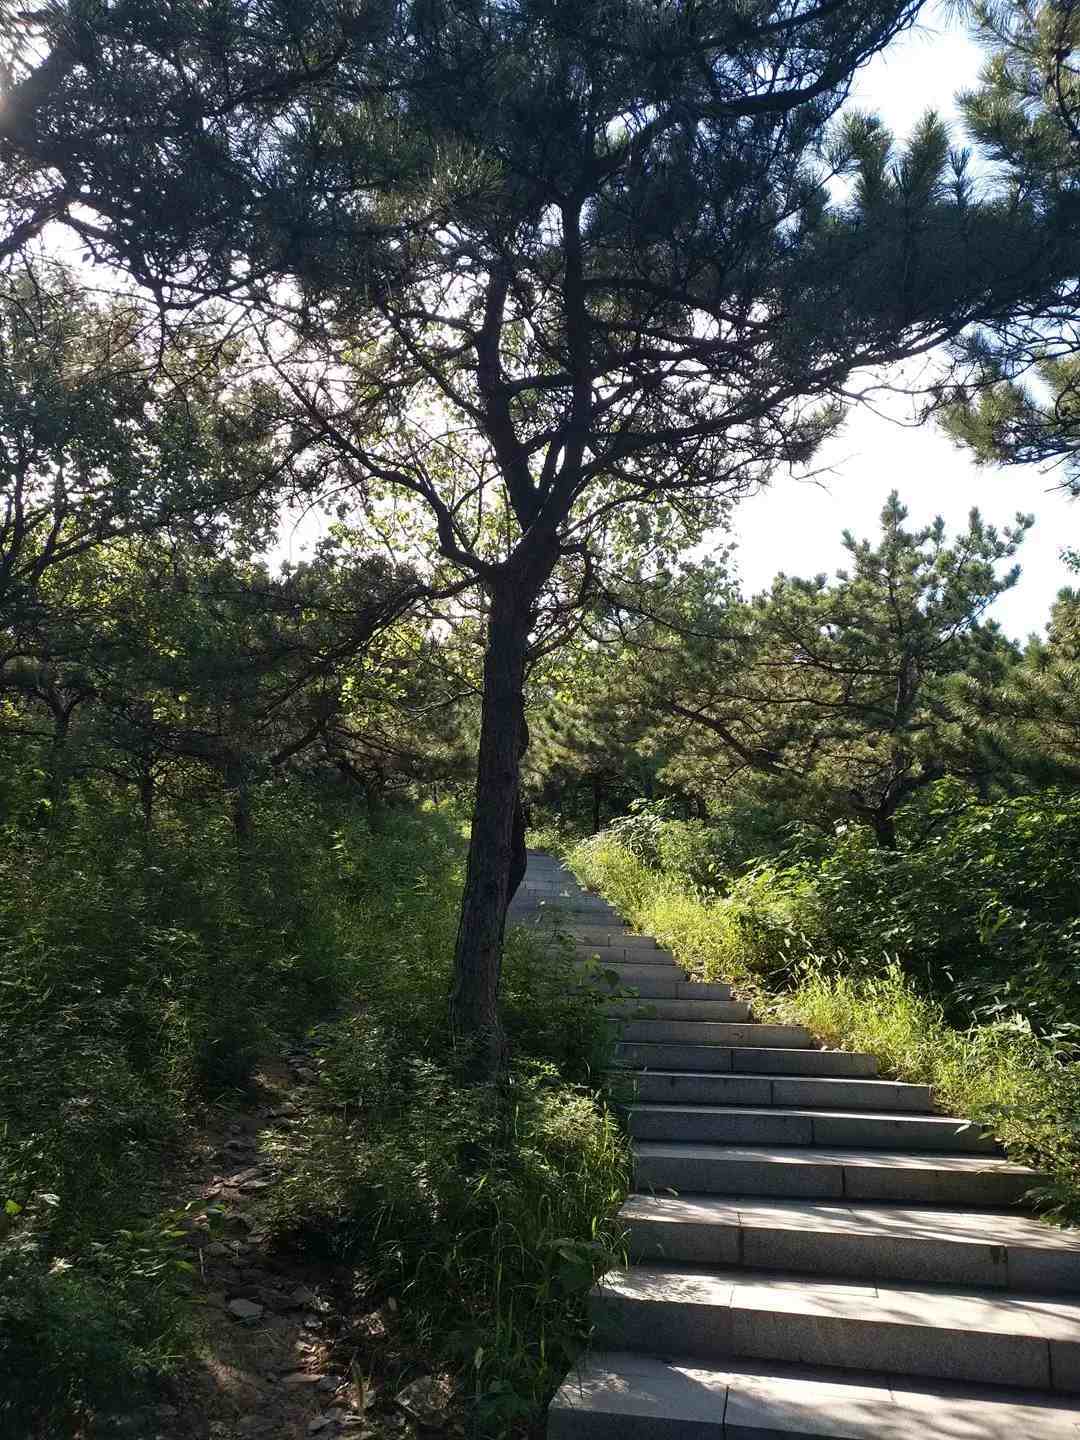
x: 839, y: 690
x: 1019, y: 402
x: 567, y: 275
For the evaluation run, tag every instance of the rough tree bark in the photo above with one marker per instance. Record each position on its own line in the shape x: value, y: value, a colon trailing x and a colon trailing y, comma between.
x: 496, y: 846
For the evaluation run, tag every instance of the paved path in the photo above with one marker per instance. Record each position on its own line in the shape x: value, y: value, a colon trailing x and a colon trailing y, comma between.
x: 815, y: 1251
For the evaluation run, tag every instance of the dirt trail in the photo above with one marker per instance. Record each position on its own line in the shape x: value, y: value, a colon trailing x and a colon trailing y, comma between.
x: 288, y: 1347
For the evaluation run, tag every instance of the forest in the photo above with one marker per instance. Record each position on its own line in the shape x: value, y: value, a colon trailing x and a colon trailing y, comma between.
x: 505, y: 307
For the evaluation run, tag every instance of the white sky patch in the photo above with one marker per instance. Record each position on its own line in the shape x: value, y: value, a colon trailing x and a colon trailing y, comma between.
x: 796, y: 526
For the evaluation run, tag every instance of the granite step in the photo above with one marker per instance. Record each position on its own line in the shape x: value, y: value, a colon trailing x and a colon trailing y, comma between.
x: 991, y: 1248
x: 654, y: 981
x: 617, y: 1395
x: 710, y: 1032
x: 935, y: 1331
x: 759, y: 1059
x: 781, y: 1125
x: 807, y: 1173
x: 682, y: 1087
x: 697, y: 1008
x: 613, y: 937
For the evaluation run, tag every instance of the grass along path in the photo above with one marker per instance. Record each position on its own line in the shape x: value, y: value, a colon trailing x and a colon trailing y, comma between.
x: 285, y: 1347
x: 1001, y: 1078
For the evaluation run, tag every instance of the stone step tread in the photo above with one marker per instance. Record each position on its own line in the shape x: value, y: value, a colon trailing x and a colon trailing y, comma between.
x: 909, y: 1222
x: 715, y: 1032
x: 689, y: 1058
x: 995, y: 1249
x: 1051, y: 1318
x: 795, y: 1172
x: 789, y: 1155
x: 806, y: 1091
x: 814, y: 1127
x: 661, y: 961
x: 663, y: 967
x: 602, y: 935
x: 648, y: 989
x: 617, y: 1394
x: 661, y: 1007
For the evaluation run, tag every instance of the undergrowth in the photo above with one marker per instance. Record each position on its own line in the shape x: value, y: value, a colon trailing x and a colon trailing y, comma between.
x: 486, y: 1211
x: 773, y: 934
x: 140, y: 979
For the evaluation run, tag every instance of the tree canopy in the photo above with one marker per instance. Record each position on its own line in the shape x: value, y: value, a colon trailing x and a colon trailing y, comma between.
x: 566, y: 277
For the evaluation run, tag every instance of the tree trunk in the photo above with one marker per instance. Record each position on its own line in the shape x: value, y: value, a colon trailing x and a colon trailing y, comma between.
x: 597, y: 796
x: 497, y: 834
x: 884, y: 828
x: 146, y: 801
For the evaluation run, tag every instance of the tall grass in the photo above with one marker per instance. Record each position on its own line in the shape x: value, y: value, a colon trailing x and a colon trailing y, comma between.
x: 999, y: 1075
x: 140, y: 977
x: 486, y: 1211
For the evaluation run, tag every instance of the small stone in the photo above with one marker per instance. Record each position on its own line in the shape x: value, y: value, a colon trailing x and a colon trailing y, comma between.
x: 251, y: 1186
x: 330, y: 1382
x: 303, y: 1296
x: 246, y: 1310
x: 300, y: 1378
x: 248, y: 1174
x: 217, y: 1251
x: 376, y: 1325
x: 277, y: 1300
x: 427, y: 1399
x: 319, y: 1423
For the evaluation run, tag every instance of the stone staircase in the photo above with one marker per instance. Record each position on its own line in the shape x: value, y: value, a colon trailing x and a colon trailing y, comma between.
x: 814, y: 1251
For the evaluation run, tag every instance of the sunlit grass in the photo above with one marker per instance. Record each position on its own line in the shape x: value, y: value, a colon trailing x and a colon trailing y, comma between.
x: 997, y: 1075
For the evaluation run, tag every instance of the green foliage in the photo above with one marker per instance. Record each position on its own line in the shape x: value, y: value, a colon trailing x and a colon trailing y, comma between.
x: 828, y: 699
x: 1018, y: 396
x: 955, y: 959
x: 79, y: 1337
x: 142, y: 976
x: 487, y: 1210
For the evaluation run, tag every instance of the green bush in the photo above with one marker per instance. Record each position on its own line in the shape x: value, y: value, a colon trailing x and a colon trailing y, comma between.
x: 487, y: 1211
x: 979, y: 904
x: 810, y: 942
x: 139, y: 979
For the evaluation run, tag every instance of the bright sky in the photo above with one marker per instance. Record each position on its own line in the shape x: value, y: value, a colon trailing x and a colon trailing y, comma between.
x: 796, y: 526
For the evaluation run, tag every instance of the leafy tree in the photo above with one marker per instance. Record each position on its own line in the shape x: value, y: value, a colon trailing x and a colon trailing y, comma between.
x: 1020, y: 402
x: 192, y: 661
x: 103, y: 434
x: 1032, y: 716
x: 565, y: 276
x: 584, y: 746
x: 839, y: 690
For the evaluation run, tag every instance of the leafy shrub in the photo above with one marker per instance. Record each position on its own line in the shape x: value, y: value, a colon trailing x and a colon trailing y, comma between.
x: 488, y: 1211
x: 139, y: 978
x: 979, y: 903
x: 810, y: 942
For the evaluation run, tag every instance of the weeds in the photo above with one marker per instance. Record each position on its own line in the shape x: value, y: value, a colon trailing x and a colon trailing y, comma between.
x: 762, y: 935
x: 487, y: 1212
